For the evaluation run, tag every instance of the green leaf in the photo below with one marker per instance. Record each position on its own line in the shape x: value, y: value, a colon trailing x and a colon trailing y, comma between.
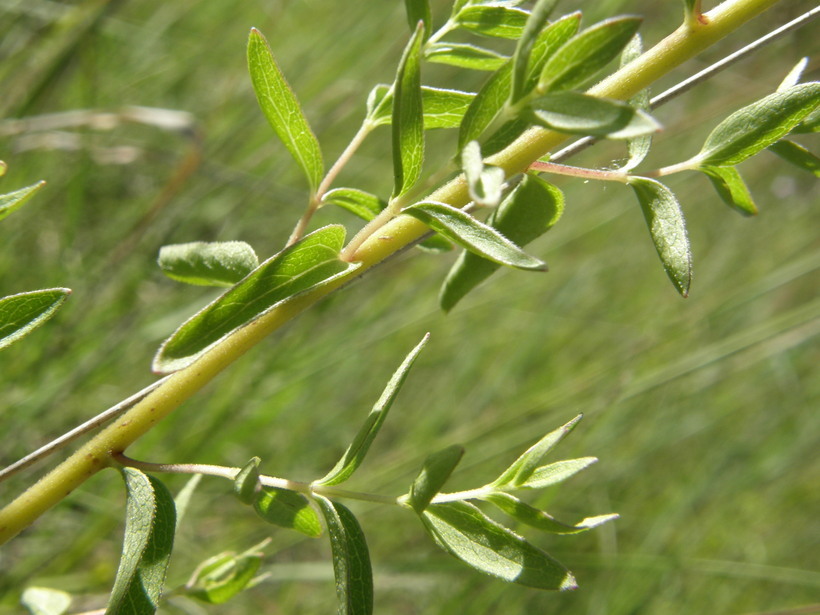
x: 45, y: 601
x: 731, y: 188
x: 287, y: 509
x: 208, y: 264
x: 493, y: 20
x: 581, y: 114
x: 485, y: 106
x: 523, y: 467
x: 523, y: 49
x: 584, y: 55
x: 355, y: 453
x: 20, y: 314
x: 485, y: 183
x: 351, y: 559
x: 435, y: 472
x: 13, y: 201
x: 149, y: 537
x: 183, y: 498
x: 757, y: 126
x: 246, y: 483
x: 528, y: 212
x: 548, y: 42
x: 811, y: 123
x: 464, y: 55
x: 465, y: 532
x: 223, y: 576
x: 668, y: 230
x: 310, y: 263
x: 637, y: 147
x: 691, y: 10
x: 358, y: 202
x: 442, y: 108
x: 793, y: 78
x: 523, y: 512
x: 464, y: 230
x: 554, y: 473
x: 797, y: 155
x: 419, y: 11
x: 281, y: 107
x: 408, y: 118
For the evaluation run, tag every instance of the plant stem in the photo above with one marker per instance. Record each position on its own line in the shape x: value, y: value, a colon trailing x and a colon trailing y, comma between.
x: 681, y: 45
x: 563, y: 169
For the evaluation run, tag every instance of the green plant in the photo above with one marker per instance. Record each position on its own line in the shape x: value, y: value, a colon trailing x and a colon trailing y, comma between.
x: 532, y: 91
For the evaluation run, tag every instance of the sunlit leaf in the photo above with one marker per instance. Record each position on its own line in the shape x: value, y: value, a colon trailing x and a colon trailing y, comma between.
x: 246, y: 483
x: 547, y: 43
x: 408, y: 119
x: 13, y: 201
x: 351, y: 559
x: 493, y: 20
x: 484, y: 183
x: 668, y: 230
x: 312, y: 262
x: 486, y: 105
x: 523, y: 49
x: 577, y: 113
x: 794, y: 75
x: 637, y: 147
x: 358, y: 202
x: 150, y: 520
x: 208, y: 264
x: 528, y: 212
x: 464, y: 230
x: 464, y: 55
x: 223, y: 576
x: 281, y: 108
x: 442, y: 108
x: 731, y: 188
x: 465, y: 532
x: 45, y: 601
x: 355, y: 453
x: 287, y: 509
x: 523, y: 512
x: 435, y: 472
x: 797, y: 155
x: 20, y: 314
x: 556, y: 472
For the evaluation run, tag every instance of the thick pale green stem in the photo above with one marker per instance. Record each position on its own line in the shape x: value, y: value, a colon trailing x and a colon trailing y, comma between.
x: 681, y: 45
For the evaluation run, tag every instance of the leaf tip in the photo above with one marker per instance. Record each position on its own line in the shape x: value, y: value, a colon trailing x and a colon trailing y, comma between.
x: 568, y: 584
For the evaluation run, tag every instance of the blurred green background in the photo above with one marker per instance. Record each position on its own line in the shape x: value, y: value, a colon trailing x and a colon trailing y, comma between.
x: 703, y: 412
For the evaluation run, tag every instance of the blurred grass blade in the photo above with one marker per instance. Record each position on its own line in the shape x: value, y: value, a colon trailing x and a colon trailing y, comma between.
x: 464, y: 230
x: 757, y: 126
x: 668, y: 230
x: 149, y: 537
x: 419, y: 11
x: 355, y: 453
x: 637, y: 147
x: 581, y: 114
x: 584, y: 55
x: 523, y: 512
x: 351, y: 559
x: 13, y: 201
x: 287, y: 509
x: 20, y: 314
x: 465, y: 532
x: 408, y: 118
x: 523, y: 48
x: 312, y: 262
x: 528, y: 212
x: 523, y: 467
x: 442, y: 108
x: 435, y: 472
x: 202, y: 263
x: 246, y: 484
x: 464, y: 55
x: 554, y: 473
x: 45, y: 601
x: 797, y: 155
x: 731, y: 188
x: 358, y: 202
x: 281, y: 107
x: 493, y: 20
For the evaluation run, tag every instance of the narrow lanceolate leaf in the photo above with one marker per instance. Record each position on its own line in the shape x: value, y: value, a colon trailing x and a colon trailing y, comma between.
x: 523, y: 467
x: 221, y: 577
x: 485, y: 183
x: 15, y: 200
x: 44, y: 600
x: 637, y: 147
x: 419, y: 11
x: 668, y: 230
x: 583, y: 56
x: 797, y: 155
x: 246, y: 483
x: 408, y: 118
x: 793, y: 78
x: 287, y: 509
x: 551, y: 39
x: 20, y: 314
x: 442, y: 108
x: 523, y: 49
x: 528, y: 212
x: 435, y: 472
x: 523, y: 512
x: 731, y: 188
x: 465, y: 532
x: 757, y: 126
x: 464, y: 230
x: 149, y: 537
x: 486, y: 105
x: 557, y: 472
x: 464, y: 55
x: 576, y: 113
x: 351, y: 559
x: 311, y: 263
x: 355, y: 453
x: 208, y: 264
x: 363, y: 204
x: 282, y: 109
x: 493, y: 20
